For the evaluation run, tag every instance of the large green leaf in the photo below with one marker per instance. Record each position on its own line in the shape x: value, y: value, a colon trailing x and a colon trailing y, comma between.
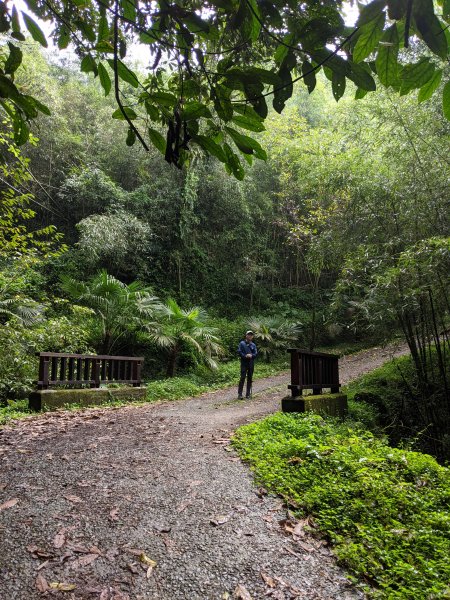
x: 396, y: 9
x: 430, y: 28
x: 129, y: 9
x: 416, y: 75
x: 283, y: 48
x: 163, y: 98
x: 7, y: 88
x: 247, y: 111
x: 360, y: 75
x: 14, y: 59
x: 157, y: 140
x: 446, y: 10
x: 446, y: 100
x: 427, y: 90
x: 195, y: 110
x: 248, y: 123
x: 246, y: 144
x: 210, y: 147
x: 386, y: 60
x: 309, y: 75
x: 118, y: 114
x: 369, y: 36
x: 233, y: 163
x: 105, y: 79
x: 338, y: 86
x: 88, y: 64
x: 284, y: 91
x: 222, y: 102
x: 368, y: 12
x: 35, y: 31
x: 124, y: 73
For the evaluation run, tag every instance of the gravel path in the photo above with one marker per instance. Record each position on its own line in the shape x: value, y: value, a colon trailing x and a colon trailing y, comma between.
x: 91, y: 500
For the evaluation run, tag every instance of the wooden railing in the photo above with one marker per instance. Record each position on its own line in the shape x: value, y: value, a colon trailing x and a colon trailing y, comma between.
x: 313, y: 371
x: 78, y: 370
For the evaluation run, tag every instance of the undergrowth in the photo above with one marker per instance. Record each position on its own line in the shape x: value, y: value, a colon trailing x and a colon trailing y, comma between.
x: 390, y: 401
x: 384, y: 509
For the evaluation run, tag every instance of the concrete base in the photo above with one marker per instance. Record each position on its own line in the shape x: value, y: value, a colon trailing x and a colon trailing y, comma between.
x: 334, y: 405
x: 84, y: 396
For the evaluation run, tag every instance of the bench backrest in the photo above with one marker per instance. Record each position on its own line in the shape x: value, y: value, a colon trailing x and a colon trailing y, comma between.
x: 91, y: 370
x: 314, y: 371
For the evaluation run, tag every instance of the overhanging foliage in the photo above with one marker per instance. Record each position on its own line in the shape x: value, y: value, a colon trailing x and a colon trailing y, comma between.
x: 214, y: 66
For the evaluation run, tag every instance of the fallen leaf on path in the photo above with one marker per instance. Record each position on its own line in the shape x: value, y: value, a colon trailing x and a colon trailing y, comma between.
x: 133, y: 568
x: 72, y: 498
x: 38, y: 552
x: 43, y: 565
x: 63, y: 587
x: 83, y: 561
x: 183, y: 505
x: 220, y: 520
x: 95, y: 550
x: 305, y: 547
x: 146, y: 560
x: 9, y: 503
x: 78, y: 548
x: 242, y: 593
x: 41, y: 584
x: 277, y: 595
x: 299, y: 529
x: 113, y: 514
x: 296, y: 554
x: 134, y: 551
x: 268, y: 580
x: 149, y: 572
x: 59, y: 539
x: 287, y: 525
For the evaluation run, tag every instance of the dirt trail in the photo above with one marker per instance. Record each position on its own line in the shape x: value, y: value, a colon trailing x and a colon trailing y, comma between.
x: 90, y: 498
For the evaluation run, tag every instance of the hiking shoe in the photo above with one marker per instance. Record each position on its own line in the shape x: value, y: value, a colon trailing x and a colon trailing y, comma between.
x: 240, y: 397
x: 247, y: 397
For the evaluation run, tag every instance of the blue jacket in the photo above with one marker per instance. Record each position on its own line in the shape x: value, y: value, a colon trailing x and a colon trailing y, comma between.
x: 245, y: 348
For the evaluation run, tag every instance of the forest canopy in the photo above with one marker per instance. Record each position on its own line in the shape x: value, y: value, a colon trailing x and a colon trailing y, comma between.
x: 214, y: 67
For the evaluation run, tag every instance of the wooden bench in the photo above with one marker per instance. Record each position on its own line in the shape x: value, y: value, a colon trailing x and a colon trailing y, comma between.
x: 87, y: 370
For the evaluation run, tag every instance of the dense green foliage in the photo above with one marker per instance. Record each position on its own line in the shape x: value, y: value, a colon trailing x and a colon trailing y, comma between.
x: 391, y: 400
x: 212, y: 68
x: 385, y: 510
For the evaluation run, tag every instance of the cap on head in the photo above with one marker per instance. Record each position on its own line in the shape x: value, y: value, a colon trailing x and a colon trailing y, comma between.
x: 249, y: 332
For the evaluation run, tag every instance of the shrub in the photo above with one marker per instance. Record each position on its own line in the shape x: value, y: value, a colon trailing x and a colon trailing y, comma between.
x: 384, y: 509
x: 392, y: 399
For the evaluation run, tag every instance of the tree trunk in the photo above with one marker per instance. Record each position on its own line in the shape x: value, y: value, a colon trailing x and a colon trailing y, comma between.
x: 173, y: 358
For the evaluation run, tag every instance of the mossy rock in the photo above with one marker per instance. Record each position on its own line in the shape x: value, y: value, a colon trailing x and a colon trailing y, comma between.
x: 334, y: 405
x: 83, y: 396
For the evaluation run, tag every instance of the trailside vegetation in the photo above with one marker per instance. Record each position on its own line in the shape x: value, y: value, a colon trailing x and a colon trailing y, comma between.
x: 385, y: 510
x: 213, y: 69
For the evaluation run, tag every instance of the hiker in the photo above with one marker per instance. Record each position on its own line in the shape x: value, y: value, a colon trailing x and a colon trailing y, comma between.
x: 247, y: 351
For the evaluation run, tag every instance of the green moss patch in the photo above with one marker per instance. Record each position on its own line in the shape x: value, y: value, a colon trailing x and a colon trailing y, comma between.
x: 334, y: 405
x: 384, y: 509
x: 49, y: 399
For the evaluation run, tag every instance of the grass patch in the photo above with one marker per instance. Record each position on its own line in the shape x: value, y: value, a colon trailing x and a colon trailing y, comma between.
x: 384, y: 509
x: 204, y: 380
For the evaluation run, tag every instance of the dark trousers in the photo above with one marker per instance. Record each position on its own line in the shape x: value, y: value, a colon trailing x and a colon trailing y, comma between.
x: 246, y: 372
